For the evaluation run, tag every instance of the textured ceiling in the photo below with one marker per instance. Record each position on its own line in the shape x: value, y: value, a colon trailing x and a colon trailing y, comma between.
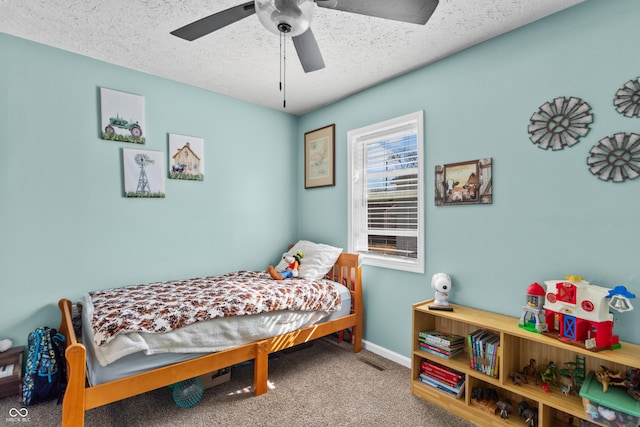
x: 242, y: 60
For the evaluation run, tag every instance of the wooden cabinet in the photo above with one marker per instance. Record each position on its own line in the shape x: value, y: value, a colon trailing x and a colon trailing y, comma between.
x: 517, y: 347
x: 11, y: 384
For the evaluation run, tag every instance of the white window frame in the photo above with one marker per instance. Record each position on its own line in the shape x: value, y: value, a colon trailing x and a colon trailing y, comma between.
x: 356, y: 140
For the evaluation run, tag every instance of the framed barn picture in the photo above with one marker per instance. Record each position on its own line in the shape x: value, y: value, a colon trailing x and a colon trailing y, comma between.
x: 186, y: 157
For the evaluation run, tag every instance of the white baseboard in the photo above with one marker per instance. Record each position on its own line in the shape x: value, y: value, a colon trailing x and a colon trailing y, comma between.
x: 387, y: 354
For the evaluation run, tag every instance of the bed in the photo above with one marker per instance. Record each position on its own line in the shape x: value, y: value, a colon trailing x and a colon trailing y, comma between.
x: 91, y: 385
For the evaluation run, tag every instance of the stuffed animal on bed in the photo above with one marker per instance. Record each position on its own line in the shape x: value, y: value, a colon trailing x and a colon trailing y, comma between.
x: 293, y: 262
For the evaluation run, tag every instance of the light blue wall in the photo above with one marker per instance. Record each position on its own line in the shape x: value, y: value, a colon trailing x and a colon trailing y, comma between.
x: 550, y: 217
x: 65, y: 228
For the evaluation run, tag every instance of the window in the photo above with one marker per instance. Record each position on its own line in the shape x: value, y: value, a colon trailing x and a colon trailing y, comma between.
x: 386, y: 210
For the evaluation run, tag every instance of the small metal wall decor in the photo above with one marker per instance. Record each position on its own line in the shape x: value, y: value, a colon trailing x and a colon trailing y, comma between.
x: 464, y: 183
x: 560, y: 123
x: 627, y: 99
x: 616, y: 158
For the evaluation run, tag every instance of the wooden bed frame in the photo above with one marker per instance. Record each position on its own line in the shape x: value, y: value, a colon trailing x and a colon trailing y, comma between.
x: 79, y: 397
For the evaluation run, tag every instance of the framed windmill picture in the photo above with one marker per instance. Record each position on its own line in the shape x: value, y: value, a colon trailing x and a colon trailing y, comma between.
x: 143, y: 173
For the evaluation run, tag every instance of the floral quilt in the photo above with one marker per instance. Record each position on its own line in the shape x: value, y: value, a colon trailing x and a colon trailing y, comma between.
x: 165, y: 306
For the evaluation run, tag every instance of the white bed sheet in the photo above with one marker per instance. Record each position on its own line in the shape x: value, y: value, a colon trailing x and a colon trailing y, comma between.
x: 130, y: 354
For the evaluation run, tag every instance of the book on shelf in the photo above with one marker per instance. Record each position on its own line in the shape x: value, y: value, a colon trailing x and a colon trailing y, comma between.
x: 447, y: 354
x: 453, y: 391
x: 446, y: 373
x: 494, y: 354
x: 483, y: 351
x: 441, y: 339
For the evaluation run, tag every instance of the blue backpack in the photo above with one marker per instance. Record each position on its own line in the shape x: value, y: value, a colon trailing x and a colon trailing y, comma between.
x: 45, y: 375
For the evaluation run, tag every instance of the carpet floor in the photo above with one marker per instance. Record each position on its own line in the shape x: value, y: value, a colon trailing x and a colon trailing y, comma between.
x: 325, y: 384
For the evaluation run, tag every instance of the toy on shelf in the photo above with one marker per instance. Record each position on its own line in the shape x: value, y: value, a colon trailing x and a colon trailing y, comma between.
x: 607, y: 378
x: 548, y: 375
x: 575, y: 311
x: 574, y: 373
x: 530, y: 370
x: 441, y: 284
x: 633, y: 384
x: 485, y: 400
x: 517, y: 379
x: 528, y: 414
x: 504, y: 408
x: 533, y: 312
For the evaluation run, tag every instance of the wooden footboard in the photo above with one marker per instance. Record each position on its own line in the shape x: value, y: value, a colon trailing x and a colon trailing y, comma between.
x: 79, y: 397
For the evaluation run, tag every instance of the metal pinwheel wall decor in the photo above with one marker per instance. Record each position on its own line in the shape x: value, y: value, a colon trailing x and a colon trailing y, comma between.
x: 616, y: 158
x: 627, y: 99
x: 560, y: 123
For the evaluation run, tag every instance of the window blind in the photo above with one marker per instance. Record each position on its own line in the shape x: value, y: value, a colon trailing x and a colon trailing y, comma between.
x: 390, y: 194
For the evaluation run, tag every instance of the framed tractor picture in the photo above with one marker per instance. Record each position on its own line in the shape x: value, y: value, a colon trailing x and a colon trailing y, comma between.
x: 122, y: 116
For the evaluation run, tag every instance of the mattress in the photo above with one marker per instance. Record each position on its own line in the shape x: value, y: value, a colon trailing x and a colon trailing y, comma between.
x: 144, y: 353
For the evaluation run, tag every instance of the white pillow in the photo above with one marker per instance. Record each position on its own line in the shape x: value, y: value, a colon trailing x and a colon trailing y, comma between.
x: 316, y: 261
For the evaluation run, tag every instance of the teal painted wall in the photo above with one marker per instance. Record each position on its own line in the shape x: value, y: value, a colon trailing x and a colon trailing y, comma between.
x: 550, y: 217
x: 65, y: 227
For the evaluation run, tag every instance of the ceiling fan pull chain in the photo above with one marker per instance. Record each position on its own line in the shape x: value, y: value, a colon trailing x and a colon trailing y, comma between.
x: 283, y: 69
x: 280, y: 58
x: 284, y: 73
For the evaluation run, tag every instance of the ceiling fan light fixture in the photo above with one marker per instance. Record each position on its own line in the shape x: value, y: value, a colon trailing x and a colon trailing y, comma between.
x: 289, y: 17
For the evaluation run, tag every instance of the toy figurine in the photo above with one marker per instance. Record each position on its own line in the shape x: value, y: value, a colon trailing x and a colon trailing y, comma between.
x: 530, y: 369
x: 528, y: 414
x: 607, y: 378
x: 517, y: 379
x: 532, y: 317
x: 441, y: 283
x: 505, y: 407
x: 548, y: 375
x: 293, y: 262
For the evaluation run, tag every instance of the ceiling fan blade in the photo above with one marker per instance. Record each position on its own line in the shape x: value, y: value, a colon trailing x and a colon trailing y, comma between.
x: 308, y: 51
x: 214, y: 22
x: 412, y: 11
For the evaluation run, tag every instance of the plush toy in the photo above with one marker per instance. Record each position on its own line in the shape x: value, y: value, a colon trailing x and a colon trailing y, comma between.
x: 441, y: 283
x: 293, y: 262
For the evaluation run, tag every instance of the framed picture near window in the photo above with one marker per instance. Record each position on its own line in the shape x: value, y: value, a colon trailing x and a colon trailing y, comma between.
x: 464, y: 183
x: 320, y: 157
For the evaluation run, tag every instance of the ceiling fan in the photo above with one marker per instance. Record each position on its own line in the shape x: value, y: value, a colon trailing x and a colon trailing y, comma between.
x: 293, y: 17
